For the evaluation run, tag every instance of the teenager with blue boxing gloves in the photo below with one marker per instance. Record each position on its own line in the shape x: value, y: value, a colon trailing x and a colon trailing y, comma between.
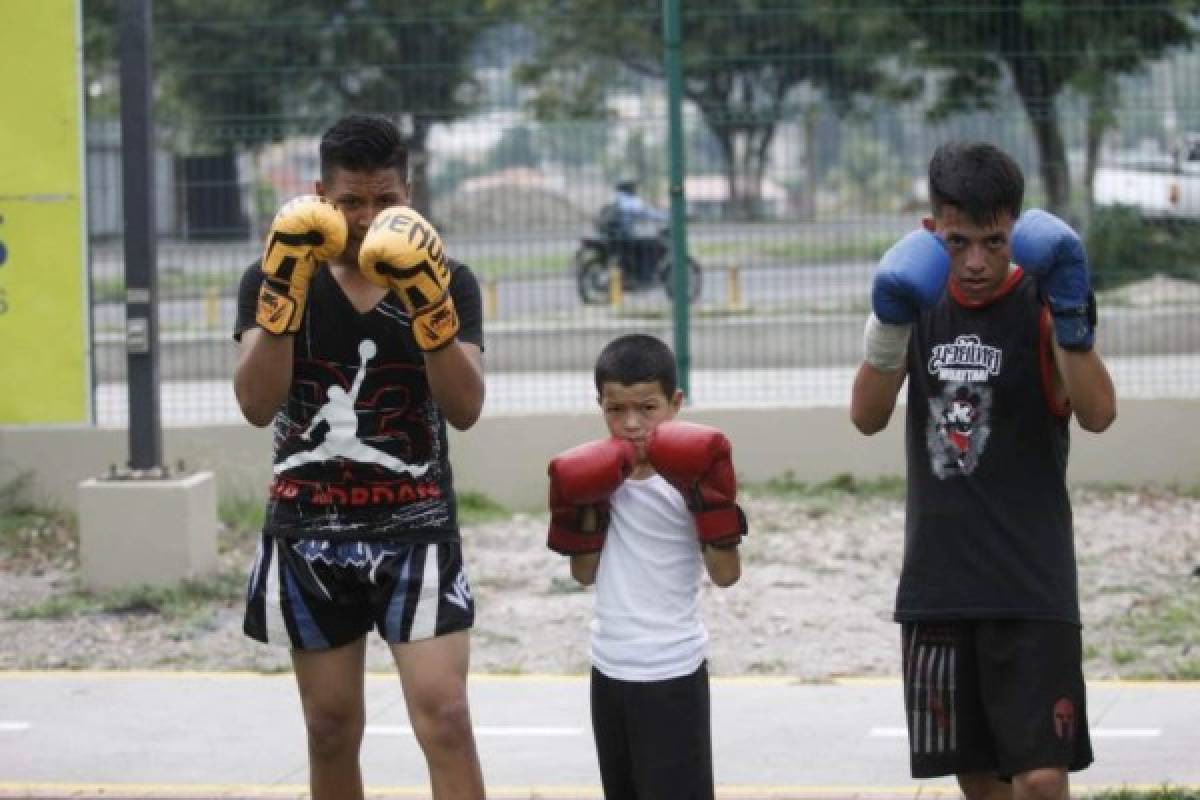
x: 988, y: 314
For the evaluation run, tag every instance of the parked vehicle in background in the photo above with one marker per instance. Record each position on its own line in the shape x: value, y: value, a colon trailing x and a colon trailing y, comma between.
x: 1163, y: 187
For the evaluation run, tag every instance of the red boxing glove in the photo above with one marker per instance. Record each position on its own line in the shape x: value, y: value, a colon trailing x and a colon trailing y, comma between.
x: 698, y: 461
x: 581, y: 481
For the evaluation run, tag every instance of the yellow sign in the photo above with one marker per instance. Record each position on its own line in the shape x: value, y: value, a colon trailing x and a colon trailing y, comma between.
x: 44, y: 375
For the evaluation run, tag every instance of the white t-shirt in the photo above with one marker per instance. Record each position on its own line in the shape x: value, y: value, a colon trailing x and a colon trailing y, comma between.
x: 646, y: 623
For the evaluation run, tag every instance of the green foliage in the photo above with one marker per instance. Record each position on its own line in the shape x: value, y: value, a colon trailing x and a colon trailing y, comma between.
x: 1156, y: 639
x: 32, y: 534
x: 841, y: 485
x: 241, y: 510
x: 174, y: 283
x: 868, y: 174
x: 232, y: 75
x: 515, y: 149
x: 241, y: 513
x: 969, y: 52
x: 1164, y: 792
x: 1041, y: 46
x: 477, y: 507
x: 1122, y: 247
x: 745, y: 67
x: 185, y: 601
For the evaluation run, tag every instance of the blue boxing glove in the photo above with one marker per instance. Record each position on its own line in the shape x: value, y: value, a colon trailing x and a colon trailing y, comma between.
x: 1052, y: 252
x: 910, y: 278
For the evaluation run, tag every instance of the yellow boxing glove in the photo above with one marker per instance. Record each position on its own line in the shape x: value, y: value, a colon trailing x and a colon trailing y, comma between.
x: 404, y: 253
x: 306, y: 231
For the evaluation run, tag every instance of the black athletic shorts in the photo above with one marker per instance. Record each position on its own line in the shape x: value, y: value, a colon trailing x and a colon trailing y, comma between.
x: 653, y: 738
x: 314, y: 594
x: 994, y: 696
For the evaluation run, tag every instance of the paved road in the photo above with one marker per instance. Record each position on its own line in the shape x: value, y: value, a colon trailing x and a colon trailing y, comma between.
x: 542, y: 297
x: 206, y: 734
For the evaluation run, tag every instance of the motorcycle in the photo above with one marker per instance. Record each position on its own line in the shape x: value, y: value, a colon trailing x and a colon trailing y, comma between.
x: 644, y: 258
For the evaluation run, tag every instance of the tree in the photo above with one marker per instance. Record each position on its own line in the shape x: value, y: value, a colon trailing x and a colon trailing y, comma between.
x: 515, y: 149
x: 243, y: 73
x: 745, y: 63
x: 408, y: 60
x: 100, y: 66
x: 1042, y: 47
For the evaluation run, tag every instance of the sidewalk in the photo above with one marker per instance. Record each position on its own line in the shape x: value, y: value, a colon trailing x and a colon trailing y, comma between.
x: 239, y: 735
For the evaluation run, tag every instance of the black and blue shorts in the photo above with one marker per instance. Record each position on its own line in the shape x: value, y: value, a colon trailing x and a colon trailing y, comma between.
x: 312, y: 594
x: 994, y: 696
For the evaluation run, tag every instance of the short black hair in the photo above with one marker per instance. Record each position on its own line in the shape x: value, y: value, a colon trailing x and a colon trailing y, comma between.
x: 977, y: 178
x: 636, y: 358
x: 363, y: 143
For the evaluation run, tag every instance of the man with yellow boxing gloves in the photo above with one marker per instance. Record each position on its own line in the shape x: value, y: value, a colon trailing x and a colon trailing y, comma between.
x: 359, y: 340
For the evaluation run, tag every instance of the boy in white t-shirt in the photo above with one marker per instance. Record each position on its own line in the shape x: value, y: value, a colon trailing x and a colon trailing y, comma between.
x: 643, y: 514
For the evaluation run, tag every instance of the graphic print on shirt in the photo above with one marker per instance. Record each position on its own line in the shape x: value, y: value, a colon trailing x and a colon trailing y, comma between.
x: 341, y: 440
x: 960, y: 417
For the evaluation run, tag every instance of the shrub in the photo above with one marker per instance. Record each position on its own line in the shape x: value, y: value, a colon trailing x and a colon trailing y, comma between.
x: 1123, y: 247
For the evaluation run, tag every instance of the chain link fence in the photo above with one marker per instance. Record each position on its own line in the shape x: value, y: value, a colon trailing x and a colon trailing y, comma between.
x: 807, y: 132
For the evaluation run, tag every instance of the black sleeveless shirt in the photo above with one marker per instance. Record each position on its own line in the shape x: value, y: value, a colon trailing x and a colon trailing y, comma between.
x: 988, y: 526
x: 360, y: 445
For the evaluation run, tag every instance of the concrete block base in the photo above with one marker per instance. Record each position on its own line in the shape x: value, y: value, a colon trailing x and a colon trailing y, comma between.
x: 147, y: 532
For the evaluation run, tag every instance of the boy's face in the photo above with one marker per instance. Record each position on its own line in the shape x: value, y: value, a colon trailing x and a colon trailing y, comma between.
x: 979, y: 254
x: 360, y: 196
x: 632, y: 411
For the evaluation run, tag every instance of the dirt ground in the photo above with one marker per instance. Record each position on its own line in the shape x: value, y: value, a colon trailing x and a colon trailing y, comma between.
x: 814, y: 601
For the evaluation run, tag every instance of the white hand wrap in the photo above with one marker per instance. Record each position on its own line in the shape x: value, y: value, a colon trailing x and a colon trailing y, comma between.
x: 885, y: 346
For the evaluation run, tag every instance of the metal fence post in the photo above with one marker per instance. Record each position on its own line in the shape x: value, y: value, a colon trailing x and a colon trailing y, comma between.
x: 141, y: 273
x: 673, y: 38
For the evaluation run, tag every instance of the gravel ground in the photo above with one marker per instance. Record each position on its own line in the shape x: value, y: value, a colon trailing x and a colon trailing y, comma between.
x: 814, y: 601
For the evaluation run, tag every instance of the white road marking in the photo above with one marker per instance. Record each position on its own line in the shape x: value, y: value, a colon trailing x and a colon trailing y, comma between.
x: 1126, y: 733
x: 1096, y: 733
x: 494, y: 730
x: 13, y: 726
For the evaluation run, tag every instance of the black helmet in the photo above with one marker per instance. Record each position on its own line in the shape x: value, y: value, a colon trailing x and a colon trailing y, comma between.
x: 628, y: 185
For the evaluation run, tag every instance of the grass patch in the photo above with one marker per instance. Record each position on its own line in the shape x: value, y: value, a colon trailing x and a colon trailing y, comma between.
x: 696, y: 313
x: 187, y: 601
x: 839, y: 486
x: 477, y: 507
x: 796, y: 251
x: 1157, y: 639
x: 1158, y: 793
x: 242, y: 514
x: 515, y: 266
x: 774, y: 666
x: 1109, y: 488
x: 32, y: 533
x: 491, y: 637
x: 820, y: 499
x: 173, y: 283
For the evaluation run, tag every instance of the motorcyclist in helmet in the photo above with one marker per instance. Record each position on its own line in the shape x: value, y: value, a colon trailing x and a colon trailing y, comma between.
x: 632, y: 214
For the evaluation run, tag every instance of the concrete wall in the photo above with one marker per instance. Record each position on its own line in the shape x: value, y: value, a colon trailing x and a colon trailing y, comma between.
x: 1153, y: 441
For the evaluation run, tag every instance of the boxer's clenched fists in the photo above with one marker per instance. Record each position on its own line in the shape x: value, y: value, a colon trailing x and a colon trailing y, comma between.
x: 698, y: 461
x: 582, y: 480
x: 306, y: 231
x: 404, y: 253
